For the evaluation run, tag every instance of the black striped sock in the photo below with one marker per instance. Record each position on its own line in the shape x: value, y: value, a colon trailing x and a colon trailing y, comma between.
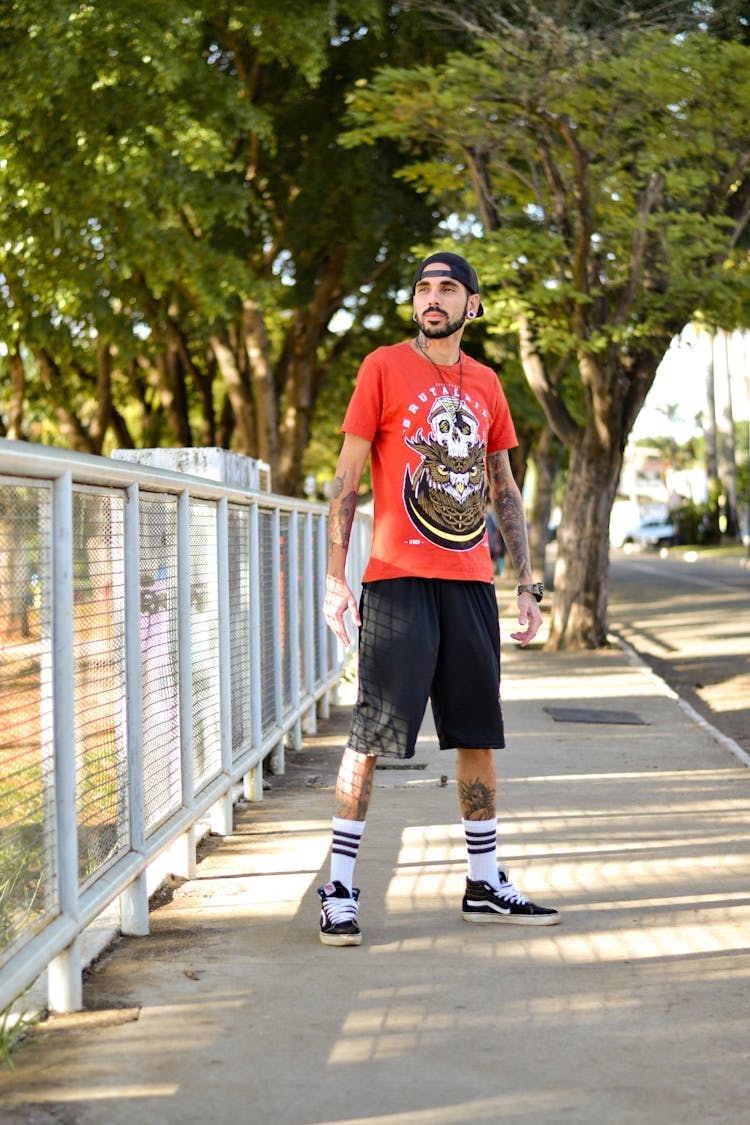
x: 481, y: 848
x: 346, y: 838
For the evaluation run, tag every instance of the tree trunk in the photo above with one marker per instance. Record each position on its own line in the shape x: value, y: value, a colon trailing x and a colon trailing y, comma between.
x: 579, y: 609
x: 258, y: 354
x: 71, y: 429
x: 299, y: 372
x: 239, y: 397
x: 298, y: 412
x: 709, y: 425
x: 15, y: 574
x: 546, y: 461
x: 615, y: 390
x: 101, y: 420
x: 173, y: 392
x: 727, y: 455
x: 204, y: 383
x: 14, y: 429
x: 182, y: 363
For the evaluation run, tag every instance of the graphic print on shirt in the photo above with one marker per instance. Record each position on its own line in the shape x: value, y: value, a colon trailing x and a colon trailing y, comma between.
x: 445, y: 497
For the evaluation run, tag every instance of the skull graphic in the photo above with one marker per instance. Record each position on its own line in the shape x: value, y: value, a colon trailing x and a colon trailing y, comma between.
x: 453, y: 427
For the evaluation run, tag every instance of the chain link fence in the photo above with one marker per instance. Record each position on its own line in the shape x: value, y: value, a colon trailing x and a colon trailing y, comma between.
x: 160, y: 638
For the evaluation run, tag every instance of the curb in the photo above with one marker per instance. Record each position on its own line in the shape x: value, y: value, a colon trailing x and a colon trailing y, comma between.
x: 723, y: 739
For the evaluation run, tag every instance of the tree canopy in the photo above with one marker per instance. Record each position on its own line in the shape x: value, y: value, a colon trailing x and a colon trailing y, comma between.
x: 191, y: 193
x: 180, y: 224
x: 608, y: 171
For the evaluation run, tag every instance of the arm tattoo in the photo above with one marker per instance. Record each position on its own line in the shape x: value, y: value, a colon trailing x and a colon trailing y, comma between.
x: 475, y: 797
x: 508, y: 506
x: 512, y: 522
x: 337, y: 487
x: 342, y: 516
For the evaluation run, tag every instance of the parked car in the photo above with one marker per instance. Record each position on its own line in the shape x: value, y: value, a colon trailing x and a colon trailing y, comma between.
x: 652, y: 533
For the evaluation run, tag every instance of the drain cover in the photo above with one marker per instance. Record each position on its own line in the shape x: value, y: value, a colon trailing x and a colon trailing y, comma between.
x: 588, y: 715
x: 401, y: 766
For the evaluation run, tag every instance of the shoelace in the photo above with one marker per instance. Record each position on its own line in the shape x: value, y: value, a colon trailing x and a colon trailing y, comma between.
x: 340, y: 910
x: 510, y: 893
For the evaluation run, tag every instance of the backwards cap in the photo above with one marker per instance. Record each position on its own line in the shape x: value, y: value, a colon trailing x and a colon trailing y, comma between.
x: 456, y: 267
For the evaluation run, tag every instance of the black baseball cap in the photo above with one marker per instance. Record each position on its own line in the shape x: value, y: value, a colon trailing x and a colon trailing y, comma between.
x: 457, y: 268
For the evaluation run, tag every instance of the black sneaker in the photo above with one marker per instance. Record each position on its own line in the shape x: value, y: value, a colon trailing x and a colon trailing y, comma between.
x: 482, y: 903
x: 338, y: 915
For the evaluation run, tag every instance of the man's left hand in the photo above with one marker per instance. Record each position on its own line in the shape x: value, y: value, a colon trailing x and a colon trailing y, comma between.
x: 338, y: 599
x: 530, y: 615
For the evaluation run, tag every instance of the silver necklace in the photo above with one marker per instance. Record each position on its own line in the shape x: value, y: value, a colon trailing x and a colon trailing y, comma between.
x: 439, y: 370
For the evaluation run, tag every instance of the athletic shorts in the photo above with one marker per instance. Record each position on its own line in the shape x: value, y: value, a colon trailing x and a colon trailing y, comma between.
x: 427, y: 638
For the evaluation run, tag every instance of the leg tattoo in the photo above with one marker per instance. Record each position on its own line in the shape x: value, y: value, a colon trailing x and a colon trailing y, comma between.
x: 354, y: 785
x: 477, y: 800
x: 475, y: 782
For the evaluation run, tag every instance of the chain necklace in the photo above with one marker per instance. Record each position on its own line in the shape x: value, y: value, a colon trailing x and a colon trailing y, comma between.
x: 441, y: 373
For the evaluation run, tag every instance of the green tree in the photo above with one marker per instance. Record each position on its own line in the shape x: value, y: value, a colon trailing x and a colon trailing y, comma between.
x: 180, y: 224
x: 609, y: 171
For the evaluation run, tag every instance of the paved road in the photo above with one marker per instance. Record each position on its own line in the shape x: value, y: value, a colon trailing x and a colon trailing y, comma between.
x: 688, y: 616
x: 632, y: 1012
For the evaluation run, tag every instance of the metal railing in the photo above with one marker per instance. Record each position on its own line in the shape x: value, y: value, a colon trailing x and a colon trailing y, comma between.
x: 160, y: 638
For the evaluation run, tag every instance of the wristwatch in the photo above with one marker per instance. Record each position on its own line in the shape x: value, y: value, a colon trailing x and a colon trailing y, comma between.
x: 535, y: 588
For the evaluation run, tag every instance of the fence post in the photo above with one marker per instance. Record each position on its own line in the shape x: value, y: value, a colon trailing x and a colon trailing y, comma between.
x: 294, y: 738
x: 276, y: 757
x: 134, y: 919
x: 324, y: 705
x: 222, y: 813
x: 309, y: 606
x: 185, y: 853
x: 253, y: 784
x: 64, y: 983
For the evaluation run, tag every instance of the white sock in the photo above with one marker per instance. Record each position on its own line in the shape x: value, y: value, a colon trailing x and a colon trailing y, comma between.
x: 346, y: 839
x: 481, y: 848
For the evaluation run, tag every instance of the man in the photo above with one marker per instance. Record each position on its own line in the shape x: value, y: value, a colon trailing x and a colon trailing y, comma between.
x: 436, y: 426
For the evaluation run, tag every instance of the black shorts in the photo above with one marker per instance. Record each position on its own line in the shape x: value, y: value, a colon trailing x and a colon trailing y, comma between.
x: 428, y: 638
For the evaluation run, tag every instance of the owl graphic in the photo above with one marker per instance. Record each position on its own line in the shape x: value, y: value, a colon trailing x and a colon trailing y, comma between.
x: 445, y: 497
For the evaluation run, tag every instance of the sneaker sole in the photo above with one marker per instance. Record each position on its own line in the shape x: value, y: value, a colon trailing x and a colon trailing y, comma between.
x: 340, y: 939
x: 512, y: 919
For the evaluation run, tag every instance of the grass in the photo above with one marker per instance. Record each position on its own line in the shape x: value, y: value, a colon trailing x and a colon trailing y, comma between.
x: 15, y: 1024
x: 720, y: 551
x: 18, y: 905
x: 21, y: 883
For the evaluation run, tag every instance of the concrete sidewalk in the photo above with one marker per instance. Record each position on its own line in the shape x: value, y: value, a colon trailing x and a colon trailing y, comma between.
x: 620, y: 809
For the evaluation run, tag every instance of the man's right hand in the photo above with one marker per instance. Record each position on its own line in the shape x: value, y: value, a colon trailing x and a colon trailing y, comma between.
x: 338, y: 599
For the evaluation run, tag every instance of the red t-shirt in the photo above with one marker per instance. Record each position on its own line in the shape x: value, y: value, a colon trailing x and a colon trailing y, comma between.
x: 431, y: 430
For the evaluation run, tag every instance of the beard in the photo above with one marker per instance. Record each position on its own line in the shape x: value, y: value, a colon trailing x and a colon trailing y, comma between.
x: 430, y: 332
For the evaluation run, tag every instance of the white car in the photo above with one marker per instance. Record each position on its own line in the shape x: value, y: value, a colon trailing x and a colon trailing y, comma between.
x: 652, y: 533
